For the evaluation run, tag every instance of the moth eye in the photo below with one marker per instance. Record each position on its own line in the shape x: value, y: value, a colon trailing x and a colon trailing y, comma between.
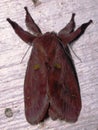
x: 36, y: 67
x: 57, y: 66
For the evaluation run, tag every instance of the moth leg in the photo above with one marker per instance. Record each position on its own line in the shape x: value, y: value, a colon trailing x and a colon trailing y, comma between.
x: 31, y: 25
x: 76, y: 34
x: 24, y: 35
x: 69, y: 27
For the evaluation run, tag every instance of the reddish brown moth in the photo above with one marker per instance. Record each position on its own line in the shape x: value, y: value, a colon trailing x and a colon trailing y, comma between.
x: 51, y: 84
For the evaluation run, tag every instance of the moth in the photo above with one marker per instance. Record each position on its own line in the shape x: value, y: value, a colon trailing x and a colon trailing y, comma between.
x: 51, y: 85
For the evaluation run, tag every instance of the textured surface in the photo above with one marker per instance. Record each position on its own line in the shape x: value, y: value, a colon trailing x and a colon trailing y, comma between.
x: 50, y: 15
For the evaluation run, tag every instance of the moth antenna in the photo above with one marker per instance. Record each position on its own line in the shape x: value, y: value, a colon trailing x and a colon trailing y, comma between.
x: 74, y: 53
x: 60, y: 42
x: 25, y: 54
